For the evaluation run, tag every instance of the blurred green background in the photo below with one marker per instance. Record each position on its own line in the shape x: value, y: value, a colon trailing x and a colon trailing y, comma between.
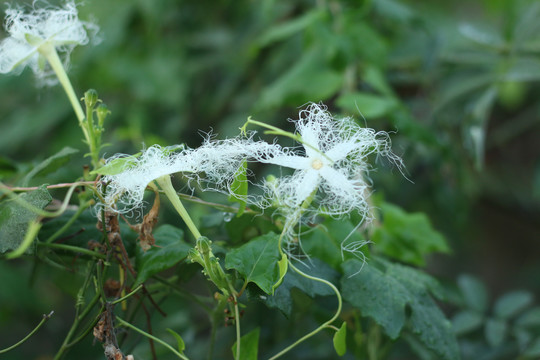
x: 455, y: 81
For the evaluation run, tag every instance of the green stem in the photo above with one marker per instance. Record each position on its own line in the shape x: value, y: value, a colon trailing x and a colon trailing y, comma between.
x: 217, y: 315
x: 127, y: 296
x: 13, y: 196
x: 43, y: 321
x: 323, y: 326
x: 128, y: 325
x: 66, y: 226
x: 78, y: 318
x: 166, y: 185
x: 188, y: 295
x: 73, y: 249
x: 48, y: 50
x: 237, y: 322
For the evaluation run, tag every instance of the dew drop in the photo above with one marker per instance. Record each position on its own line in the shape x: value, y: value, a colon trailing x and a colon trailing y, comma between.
x: 227, y: 216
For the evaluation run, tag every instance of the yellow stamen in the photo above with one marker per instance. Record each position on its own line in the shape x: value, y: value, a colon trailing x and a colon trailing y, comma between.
x: 317, y: 164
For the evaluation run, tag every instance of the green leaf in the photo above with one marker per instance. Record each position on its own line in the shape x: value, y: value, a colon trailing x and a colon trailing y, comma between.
x: 466, y: 321
x: 181, y: 344
x: 289, y: 28
x: 249, y: 345
x: 375, y: 78
x: 407, y: 237
x: 116, y: 166
x: 169, y: 250
x: 368, y: 105
x: 50, y: 164
x: 533, y: 350
x: 326, y: 240
x: 512, y: 303
x: 257, y: 261
x: 339, y: 340
x: 242, y: 229
x: 29, y: 237
x: 384, y: 296
x: 239, y: 188
x: 495, y: 331
x: 529, y: 318
x: 14, y: 218
x: 283, y: 265
x: 376, y: 295
x: 474, y: 293
x: 282, y: 298
x: 309, y: 79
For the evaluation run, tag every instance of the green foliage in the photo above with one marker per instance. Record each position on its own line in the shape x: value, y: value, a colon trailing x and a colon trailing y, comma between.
x: 51, y: 164
x: 116, y: 166
x: 282, y: 298
x: 339, y: 340
x: 407, y: 237
x: 383, y: 294
x: 179, y: 340
x: 258, y: 262
x: 511, y: 327
x: 168, y: 251
x: 249, y: 344
x: 457, y: 82
x: 15, y: 215
x: 239, y: 188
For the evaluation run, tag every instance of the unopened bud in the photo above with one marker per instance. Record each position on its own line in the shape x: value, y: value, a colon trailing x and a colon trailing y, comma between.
x: 102, y: 111
x: 91, y: 98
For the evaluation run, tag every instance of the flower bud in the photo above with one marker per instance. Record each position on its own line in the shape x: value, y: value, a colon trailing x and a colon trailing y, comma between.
x: 91, y: 98
x: 102, y: 111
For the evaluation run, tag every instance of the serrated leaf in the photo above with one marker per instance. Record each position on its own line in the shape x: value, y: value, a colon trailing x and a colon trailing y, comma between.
x: 512, y: 303
x: 384, y: 296
x: 249, y: 345
x: 466, y: 321
x: 50, y: 164
x: 282, y: 298
x: 14, y: 218
x: 339, y: 340
x: 408, y: 237
x: 239, y: 188
x: 29, y: 237
x: 368, y: 105
x: 495, y: 331
x: 180, y: 341
x: 375, y: 295
x: 257, y: 261
x: 474, y: 293
x: 172, y: 249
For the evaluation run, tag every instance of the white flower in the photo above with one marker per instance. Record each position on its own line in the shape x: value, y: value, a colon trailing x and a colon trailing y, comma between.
x: 38, y: 33
x: 215, y: 163
x: 334, y: 167
x: 125, y: 190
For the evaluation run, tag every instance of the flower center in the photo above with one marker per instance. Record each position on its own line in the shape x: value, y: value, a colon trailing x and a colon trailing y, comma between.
x: 317, y: 164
